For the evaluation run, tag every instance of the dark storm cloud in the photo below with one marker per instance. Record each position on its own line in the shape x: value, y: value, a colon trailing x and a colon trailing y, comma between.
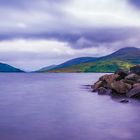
x: 28, y: 3
x: 99, y: 37
x: 46, y: 19
x: 136, y: 3
x: 83, y: 38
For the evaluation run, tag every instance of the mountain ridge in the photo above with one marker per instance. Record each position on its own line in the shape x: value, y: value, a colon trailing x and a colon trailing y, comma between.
x: 127, y: 54
x: 122, y: 58
x: 46, y: 68
x: 76, y: 61
x: 8, y: 68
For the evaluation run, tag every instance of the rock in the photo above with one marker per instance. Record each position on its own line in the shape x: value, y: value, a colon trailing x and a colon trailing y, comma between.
x: 136, y: 85
x: 131, y: 82
x: 134, y: 77
x: 135, y: 69
x: 120, y: 87
x: 97, y: 85
x: 122, y: 73
x: 102, y: 90
x: 135, y: 92
x: 124, y: 101
x: 108, y: 79
x: 121, y: 82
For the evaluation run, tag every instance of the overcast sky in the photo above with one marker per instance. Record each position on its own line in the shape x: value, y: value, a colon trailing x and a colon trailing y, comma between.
x: 37, y: 33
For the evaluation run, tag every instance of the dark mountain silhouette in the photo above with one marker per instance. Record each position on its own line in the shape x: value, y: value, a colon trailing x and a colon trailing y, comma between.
x: 8, y: 68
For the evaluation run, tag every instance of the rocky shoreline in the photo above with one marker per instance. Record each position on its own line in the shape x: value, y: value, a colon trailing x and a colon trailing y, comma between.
x: 126, y: 83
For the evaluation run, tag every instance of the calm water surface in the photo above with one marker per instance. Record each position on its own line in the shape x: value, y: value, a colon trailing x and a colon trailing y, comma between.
x: 60, y: 107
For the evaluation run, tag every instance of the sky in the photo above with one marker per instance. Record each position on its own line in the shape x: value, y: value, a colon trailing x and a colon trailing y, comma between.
x: 38, y: 33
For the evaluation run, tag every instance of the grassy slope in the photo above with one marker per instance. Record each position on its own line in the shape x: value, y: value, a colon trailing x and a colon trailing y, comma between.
x: 100, y: 66
x: 75, y: 68
x: 109, y: 66
x: 123, y: 58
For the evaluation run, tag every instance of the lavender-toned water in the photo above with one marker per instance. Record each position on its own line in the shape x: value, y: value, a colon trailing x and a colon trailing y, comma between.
x: 61, y: 107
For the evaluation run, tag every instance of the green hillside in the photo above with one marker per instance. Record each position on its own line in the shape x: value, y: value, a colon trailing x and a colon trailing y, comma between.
x: 101, y: 66
x: 129, y: 54
x: 109, y: 66
x: 123, y: 58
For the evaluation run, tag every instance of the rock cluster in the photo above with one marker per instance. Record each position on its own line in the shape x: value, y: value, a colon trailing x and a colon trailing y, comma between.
x: 121, y: 83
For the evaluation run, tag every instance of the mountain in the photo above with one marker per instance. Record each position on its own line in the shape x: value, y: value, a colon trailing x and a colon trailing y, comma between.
x: 8, y: 68
x: 123, y: 58
x: 76, y: 61
x: 47, y: 68
x: 69, y: 63
x: 130, y: 54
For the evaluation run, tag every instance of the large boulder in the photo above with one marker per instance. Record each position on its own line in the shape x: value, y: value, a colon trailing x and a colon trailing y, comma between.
x: 135, y: 69
x: 131, y: 82
x: 133, y: 77
x: 120, y: 87
x: 121, y: 82
x: 124, y: 101
x: 135, y: 92
x: 96, y: 86
x: 103, y: 91
x: 136, y: 85
x: 108, y: 79
x: 122, y: 73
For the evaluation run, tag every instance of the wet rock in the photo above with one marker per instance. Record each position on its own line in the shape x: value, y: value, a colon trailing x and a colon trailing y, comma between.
x: 134, y: 77
x: 101, y: 90
x: 136, y: 85
x: 135, y: 69
x: 124, y: 101
x: 122, y: 74
x: 97, y: 85
x: 135, y: 92
x: 108, y: 79
x: 120, y: 87
x: 121, y: 83
x: 131, y: 82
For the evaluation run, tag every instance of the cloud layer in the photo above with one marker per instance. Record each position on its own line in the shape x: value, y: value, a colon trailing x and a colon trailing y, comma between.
x: 34, y: 33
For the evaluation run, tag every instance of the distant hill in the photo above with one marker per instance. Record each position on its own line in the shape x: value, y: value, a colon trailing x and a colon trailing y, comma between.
x: 69, y: 63
x: 130, y: 54
x: 47, y: 68
x: 76, y: 61
x: 8, y: 68
x: 123, y: 58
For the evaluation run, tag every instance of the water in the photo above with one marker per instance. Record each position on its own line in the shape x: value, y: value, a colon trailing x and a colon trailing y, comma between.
x: 60, y: 107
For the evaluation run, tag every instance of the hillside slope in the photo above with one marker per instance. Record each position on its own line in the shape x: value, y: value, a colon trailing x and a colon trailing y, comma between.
x: 76, y: 61
x: 8, y: 68
x: 123, y: 58
x: 47, y: 68
x: 129, y: 54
